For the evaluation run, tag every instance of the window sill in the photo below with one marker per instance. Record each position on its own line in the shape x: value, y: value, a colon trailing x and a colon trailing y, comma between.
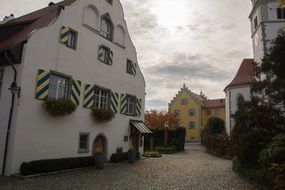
x: 105, y: 62
x: 81, y: 151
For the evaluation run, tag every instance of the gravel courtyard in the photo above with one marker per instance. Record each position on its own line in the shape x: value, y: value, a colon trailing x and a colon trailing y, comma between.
x: 192, y: 169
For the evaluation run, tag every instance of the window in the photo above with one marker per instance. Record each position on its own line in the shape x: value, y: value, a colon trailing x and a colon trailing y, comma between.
x: 240, y: 100
x: 1, y: 79
x: 58, y: 87
x: 191, y: 125
x: 83, y: 143
x: 105, y: 55
x: 255, y: 22
x: 183, y: 101
x: 281, y: 13
x: 176, y: 112
x: 101, y: 98
x: 131, y: 68
x: 119, y: 150
x: 106, y: 28
x: 208, y: 112
x: 72, y: 40
x: 109, y: 1
x: 130, y: 103
x: 191, y: 112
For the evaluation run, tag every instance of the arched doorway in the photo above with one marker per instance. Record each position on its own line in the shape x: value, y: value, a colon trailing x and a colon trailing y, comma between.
x: 100, y: 144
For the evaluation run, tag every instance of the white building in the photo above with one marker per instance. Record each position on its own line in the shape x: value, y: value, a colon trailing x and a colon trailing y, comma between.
x: 267, y: 22
x: 238, y: 91
x: 77, y: 49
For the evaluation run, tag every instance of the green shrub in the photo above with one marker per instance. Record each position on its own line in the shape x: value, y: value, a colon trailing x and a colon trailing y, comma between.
x: 216, y: 125
x: 274, y: 153
x: 102, y: 115
x: 51, y: 165
x: 263, y: 177
x: 165, y: 150
x: 154, y: 154
x: 119, y: 157
x: 59, y: 107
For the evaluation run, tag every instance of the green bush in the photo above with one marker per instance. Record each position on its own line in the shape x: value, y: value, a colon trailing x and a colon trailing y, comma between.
x: 274, y: 153
x: 102, y: 115
x: 59, y: 107
x: 119, y: 157
x: 263, y: 177
x: 51, y: 165
x: 216, y: 125
x: 165, y: 150
x: 154, y: 154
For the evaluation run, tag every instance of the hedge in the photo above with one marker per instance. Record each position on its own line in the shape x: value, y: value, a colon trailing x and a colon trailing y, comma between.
x: 118, y: 157
x: 165, y: 150
x: 51, y: 165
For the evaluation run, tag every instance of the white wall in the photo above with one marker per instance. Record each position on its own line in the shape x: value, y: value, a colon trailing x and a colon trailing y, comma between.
x: 232, y: 94
x: 39, y: 136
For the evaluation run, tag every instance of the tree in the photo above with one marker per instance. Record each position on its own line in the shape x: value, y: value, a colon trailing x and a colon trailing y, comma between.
x: 258, y: 121
x: 156, y: 119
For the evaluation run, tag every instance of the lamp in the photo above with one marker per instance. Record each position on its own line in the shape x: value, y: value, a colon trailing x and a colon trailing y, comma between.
x: 14, y: 88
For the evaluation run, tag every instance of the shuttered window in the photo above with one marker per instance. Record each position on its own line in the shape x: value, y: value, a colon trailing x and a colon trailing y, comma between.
x: 130, y: 105
x: 131, y: 68
x: 58, y: 87
x: 105, y: 55
x: 101, y: 98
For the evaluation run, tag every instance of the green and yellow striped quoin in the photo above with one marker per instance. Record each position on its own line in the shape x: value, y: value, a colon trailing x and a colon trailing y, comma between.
x: 64, y: 34
x: 42, y: 84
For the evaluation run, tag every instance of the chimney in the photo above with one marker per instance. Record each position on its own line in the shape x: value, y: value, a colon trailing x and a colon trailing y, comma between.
x: 51, y: 4
x: 7, y: 19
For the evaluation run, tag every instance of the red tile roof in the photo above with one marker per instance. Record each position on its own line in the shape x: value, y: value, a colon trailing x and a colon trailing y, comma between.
x: 244, y: 75
x: 216, y: 103
x: 29, y: 23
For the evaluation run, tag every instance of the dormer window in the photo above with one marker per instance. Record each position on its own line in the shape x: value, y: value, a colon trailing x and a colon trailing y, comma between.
x: 109, y: 1
x: 106, y: 28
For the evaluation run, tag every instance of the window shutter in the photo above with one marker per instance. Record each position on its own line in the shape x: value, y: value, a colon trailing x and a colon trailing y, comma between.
x: 64, y: 35
x: 88, y: 96
x: 75, y: 91
x: 114, y: 102
x: 123, y: 104
x: 110, y: 57
x: 134, y: 69
x: 42, y: 84
x: 138, y: 106
x: 100, y: 52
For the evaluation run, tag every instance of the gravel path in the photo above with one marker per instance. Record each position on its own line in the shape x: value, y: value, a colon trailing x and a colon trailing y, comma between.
x: 190, y: 170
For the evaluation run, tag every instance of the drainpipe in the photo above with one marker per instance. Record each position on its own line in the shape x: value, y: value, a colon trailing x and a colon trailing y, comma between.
x: 10, y: 115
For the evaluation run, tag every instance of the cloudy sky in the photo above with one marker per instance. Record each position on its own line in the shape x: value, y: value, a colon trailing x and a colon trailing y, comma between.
x: 197, y: 42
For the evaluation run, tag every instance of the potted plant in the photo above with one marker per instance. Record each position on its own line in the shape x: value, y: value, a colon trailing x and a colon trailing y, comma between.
x: 58, y: 108
x: 131, y: 154
x: 102, y: 115
x: 99, y: 158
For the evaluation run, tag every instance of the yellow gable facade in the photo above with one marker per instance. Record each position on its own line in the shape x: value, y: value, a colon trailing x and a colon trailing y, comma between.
x: 194, y: 111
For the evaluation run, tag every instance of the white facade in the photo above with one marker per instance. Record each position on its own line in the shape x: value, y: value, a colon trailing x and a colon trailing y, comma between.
x: 267, y: 26
x: 34, y: 134
x: 232, y: 95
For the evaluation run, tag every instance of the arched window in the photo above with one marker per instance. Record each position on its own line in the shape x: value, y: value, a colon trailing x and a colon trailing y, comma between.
x: 191, y: 112
x: 177, y: 112
x: 106, y: 27
x: 91, y: 17
x: 240, y: 100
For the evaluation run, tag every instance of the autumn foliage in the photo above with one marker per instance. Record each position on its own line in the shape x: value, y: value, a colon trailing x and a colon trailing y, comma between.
x: 156, y: 119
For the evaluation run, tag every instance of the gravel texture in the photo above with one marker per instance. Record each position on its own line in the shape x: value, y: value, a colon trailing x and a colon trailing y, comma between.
x: 192, y: 169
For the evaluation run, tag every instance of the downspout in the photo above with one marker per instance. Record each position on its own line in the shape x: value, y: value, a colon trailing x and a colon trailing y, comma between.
x: 10, y: 116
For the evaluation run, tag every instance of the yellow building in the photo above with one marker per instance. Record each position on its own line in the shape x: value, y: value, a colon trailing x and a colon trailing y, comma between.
x: 194, y: 110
